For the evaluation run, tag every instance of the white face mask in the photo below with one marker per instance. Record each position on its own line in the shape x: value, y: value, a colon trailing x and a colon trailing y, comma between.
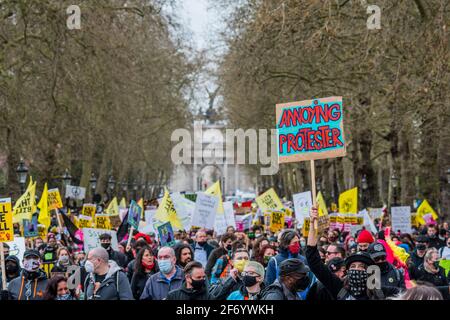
x: 31, y: 265
x: 89, y: 266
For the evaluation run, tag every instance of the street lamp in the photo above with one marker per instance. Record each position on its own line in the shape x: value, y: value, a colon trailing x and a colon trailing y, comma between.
x: 111, y: 183
x: 66, y: 178
x: 22, y: 172
x: 93, y: 183
x: 135, y: 189
x: 124, y: 188
x: 364, y: 186
x: 394, y: 182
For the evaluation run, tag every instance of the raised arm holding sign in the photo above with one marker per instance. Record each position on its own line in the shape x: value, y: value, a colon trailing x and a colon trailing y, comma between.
x: 310, y: 130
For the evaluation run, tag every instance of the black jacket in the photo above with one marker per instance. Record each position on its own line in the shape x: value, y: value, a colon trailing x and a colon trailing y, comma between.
x: 138, y: 281
x: 222, y: 289
x: 118, y: 257
x: 184, y: 293
x: 215, y: 254
x: 438, y: 279
x: 436, y: 243
x: 277, y: 291
x: 392, y: 281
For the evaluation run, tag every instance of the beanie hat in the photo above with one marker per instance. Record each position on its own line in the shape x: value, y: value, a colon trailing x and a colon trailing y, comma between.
x: 365, y: 237
x: 143, y: 235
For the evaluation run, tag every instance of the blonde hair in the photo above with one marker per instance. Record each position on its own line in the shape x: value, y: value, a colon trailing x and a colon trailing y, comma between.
x: 428, y: 256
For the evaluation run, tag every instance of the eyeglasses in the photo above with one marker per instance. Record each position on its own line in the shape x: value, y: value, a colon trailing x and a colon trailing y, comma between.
x: 251, y: 274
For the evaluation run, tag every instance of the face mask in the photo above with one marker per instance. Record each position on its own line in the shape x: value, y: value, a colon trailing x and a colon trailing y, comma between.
x: 303, y: 243
x: 302, y: 283
x: 198, y: 284
x: 384, y: 266
x: 64, y: 260
x: 66, y: 296
x: 267, y: 259
x: 294, y: 248
x: 12, y: 269
x: 31, y: 265
x: 249, y: 281
x: 201, y: 244
x: 240, y: 264
x: 106, y: 245
x: 165, y: 266
x: 89, y: 266
x: 258, y: 235
x: 148, y: 265
x: 357, y: 279
x: 229, y: 247
x: 436, y: 264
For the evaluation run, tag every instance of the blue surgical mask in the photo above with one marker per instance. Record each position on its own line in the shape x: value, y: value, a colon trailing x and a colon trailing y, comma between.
x: 66, y: 296
x: 165, y: 266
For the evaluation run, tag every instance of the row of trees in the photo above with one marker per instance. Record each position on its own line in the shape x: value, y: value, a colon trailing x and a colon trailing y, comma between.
x: 101, y: 99
x: 395, y: 83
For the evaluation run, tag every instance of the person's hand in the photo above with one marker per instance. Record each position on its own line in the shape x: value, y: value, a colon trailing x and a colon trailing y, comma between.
x: 128, y: 248
x: 234, y: 273
x: 314, y: 213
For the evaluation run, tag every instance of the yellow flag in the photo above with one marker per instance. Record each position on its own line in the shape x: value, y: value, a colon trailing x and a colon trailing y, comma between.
x: 423, y: 210
x: 113, y: 208
x: 123, y: 203
x: 141, y: 204
x: 26, y: 205
x: 348, y: 201
x: 215, y: 191
x: 323, y: 220
x: 44, y: 215
x: 54, y: 199
x: 269, y: 200
x: 166, y: 211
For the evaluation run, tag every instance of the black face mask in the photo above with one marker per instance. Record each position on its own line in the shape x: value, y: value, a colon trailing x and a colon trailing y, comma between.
x: 421, y: 247
x: 302, y: 283
x: 106, y: 245
x: 12, y: 269
x: 384, y: 266
x: 436, y: 264
x: 198, y: 285
x: 249, y: 281
x: 229, y: 247
x: 201, y: 244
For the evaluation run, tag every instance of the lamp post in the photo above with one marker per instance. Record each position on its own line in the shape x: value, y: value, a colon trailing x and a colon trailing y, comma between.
x: 111, y: 186
x: 394, y: 182
x: 135, y: 189
x: 93, y: 184
x: 124, y: 188
x: 22, y: 173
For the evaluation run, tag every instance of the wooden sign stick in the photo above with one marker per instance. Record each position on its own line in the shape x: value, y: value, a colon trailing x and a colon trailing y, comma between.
x: 130, y: 235
x: 313, y: 190
x: 2, y: 262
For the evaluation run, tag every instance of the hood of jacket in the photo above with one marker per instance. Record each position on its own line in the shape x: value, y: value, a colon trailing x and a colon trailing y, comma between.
x: 113, y: 268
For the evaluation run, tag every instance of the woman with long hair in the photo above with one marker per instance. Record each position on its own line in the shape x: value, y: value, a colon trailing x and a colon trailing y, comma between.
x: 57, y: 289
x: 144, y: 267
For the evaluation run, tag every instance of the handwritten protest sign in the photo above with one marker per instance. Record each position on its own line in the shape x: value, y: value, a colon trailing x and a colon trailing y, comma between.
x: 306, y: 227
x: 6, y: 217
x: 149, y: 222
x: 310, y: 129
x: 401, y: 219
x: 302, y: 205
x: 84, y: 222
x: 54, y: 199
x: 30, y: 227
x: 375, y: 213
x: 229, y: 213
x: 102, y: 222
x: 269, y: 200
x: 166, y: 235
x: 17, y: 248
x: 91, y: 238
x: 89, y: 210
x: 205, y: 211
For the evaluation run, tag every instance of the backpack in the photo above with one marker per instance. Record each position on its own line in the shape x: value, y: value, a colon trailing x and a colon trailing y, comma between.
x: 91, y: 280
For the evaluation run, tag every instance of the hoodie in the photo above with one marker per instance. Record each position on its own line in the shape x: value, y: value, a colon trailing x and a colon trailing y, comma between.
x: 28, y: 286
x: 115, y: 286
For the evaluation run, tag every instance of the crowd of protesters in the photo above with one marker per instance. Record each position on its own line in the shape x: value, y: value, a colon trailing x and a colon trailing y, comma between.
x: 251, y: 265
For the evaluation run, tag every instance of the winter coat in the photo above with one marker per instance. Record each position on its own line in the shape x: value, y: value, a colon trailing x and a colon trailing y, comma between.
x: 223, y: 288
x: 438, y: 279
x: 278, y: 291
x: 115, y: 286
x: 158, y: 286
x: 184, y: 293
x: 138, y: 281
x: 18, y: 287
x: 274, y: 265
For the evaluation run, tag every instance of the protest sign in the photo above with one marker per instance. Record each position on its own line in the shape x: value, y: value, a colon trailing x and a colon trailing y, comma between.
x: 215, y: 191
x: 26, y: 205
x: 269, y: 200
x: 134, y: 215
x: 184, y: 209
x: 91, y: 238
x: 191, y: 196
x: 166, y: 235
x: 323, y: 218
x: 166, y: 211
x: 205, y: 211
x: 375, y: 213
x: 306, y: 227
x: 276, y: 221
x: 401, y: 219
x: 89, y: 210
x: 17, y: 248
x: 6, y: 217
x: 368, y: 223
x: 229, y: 213
x: 30, y: 227
x: 149, y: 222
x: 84, y: 221
x: 309, y: 130
x: 102, y: 222
x: 243, y: 222
x: 75, y: 192
x: 302, y: 205
x: 54, y: 199
x: 220, y: 224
